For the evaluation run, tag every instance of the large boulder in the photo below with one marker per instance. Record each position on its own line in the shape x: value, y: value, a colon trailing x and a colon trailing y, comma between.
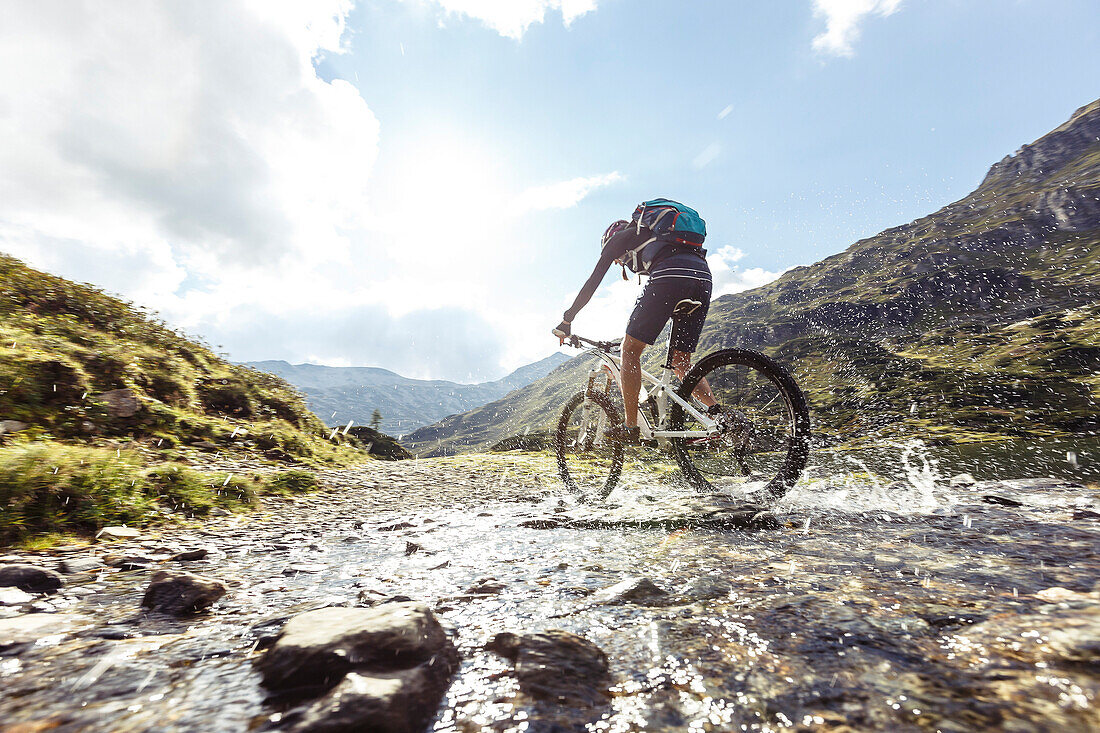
x: 388, y: 667
x: 316, y: 649
x: 30, y: 578
x: 181, y: 594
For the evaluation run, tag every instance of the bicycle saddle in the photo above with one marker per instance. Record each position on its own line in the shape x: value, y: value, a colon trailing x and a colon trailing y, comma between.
x: 685, y: 307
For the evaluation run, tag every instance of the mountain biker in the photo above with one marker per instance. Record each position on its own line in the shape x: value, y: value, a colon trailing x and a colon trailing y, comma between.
x: 678, y: 271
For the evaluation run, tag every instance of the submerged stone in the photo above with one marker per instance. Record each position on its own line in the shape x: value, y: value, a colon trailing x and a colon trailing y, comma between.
x: 556, y: 666
x: 181, y: 594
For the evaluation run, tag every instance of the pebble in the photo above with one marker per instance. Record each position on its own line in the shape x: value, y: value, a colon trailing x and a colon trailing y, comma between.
x: 14, y: 597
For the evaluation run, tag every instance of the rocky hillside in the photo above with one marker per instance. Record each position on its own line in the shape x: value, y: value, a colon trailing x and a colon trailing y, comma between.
x: 340, y: 394
x: 79, y: 365
x: 976, y: 321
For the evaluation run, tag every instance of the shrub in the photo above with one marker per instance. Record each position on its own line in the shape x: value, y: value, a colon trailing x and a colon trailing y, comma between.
x: 293, y: 482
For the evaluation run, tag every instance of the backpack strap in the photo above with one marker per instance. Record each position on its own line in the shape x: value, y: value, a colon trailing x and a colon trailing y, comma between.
x: 634, y: 252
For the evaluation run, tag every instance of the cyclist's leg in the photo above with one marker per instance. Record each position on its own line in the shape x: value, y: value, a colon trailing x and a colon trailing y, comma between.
x: 631, y: 376
x: 681, y: 364
x: 651, y: 313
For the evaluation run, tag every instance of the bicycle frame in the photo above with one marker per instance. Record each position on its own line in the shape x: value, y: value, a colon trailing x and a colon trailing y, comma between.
x: 661, y: 394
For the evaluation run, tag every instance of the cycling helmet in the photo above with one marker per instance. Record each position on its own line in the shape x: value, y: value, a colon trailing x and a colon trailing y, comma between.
x: 612, y: 230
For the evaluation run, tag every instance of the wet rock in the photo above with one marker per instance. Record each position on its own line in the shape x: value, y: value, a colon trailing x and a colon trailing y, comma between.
x: 556, y: 666
x: 638, y: 590
x: 1066, y: 636
x: 30, y: 578
x: 395, y: 526
x: 963, y: 480
x: 411, y: 547
x: 181, y: 594
x: 317, y: 648
x: 369, y: 597
x: 119, y: 532
x: 707, y: 587
x: 402, y: 701
x: 121, y: 403
x: 19, y: 632
x: 541, y: 524
x: 485, y: 587
x: 1001, y: 500
x: 72, y: 565
x: 14, y: 597
x: 1057, y: 594
x: 190, y: 555
x: 130, y: 562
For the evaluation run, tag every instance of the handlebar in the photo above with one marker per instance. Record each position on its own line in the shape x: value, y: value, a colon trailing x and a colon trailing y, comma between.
x: 575, y: 341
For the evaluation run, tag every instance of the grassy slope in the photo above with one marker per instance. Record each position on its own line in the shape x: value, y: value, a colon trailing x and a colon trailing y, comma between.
x: 77, y: 466
x: 979, y: 320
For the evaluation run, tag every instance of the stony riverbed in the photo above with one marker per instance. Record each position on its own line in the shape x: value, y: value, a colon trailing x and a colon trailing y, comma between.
x: 858, y: 603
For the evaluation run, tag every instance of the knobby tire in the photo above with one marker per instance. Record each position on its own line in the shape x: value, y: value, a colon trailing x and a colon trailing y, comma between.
x: 798, y: 451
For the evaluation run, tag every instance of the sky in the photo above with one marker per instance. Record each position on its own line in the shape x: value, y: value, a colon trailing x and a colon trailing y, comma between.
x: 421, y: 185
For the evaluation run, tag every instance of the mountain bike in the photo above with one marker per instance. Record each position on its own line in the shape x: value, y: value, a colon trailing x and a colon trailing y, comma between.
x: 757, y: 444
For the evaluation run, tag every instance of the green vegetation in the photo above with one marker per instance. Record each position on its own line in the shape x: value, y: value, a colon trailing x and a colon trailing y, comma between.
x: 49, y: 489
x: 66, y: 351
x: 102, y: 403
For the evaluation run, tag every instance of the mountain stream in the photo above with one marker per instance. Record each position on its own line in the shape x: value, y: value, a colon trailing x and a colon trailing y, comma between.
x: 866, y: 602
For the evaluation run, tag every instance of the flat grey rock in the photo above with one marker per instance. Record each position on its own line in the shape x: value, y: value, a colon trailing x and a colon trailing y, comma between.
x: 26, y: 629
x: 72, y: 565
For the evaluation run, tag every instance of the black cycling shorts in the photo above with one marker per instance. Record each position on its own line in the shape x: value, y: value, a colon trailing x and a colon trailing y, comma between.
x: 654, y: 308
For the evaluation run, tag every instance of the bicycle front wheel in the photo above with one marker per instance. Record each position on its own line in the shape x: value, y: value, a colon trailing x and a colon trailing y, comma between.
x: 762, y: 440
x: 588, y: 463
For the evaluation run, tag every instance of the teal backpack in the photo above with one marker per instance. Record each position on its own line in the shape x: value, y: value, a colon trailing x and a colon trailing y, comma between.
x: 672, y: 225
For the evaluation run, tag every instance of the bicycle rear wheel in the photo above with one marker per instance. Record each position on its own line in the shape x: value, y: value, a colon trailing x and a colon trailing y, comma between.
x: 588, y: 463
x: 763, y: 440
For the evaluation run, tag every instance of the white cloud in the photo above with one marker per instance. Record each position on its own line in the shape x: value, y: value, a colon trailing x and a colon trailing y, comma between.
x: 725, y: 112
x: 729, y: 278
x: 562, y: 195
x: 842, y: 22
x: 512, y: 18
x: 200, y: 129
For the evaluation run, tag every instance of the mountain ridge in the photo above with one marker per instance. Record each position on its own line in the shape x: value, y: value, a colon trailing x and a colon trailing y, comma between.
x: 353, y: 393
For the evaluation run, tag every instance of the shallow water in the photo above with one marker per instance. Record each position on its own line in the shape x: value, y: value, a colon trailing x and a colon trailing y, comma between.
x: 878, y: 603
